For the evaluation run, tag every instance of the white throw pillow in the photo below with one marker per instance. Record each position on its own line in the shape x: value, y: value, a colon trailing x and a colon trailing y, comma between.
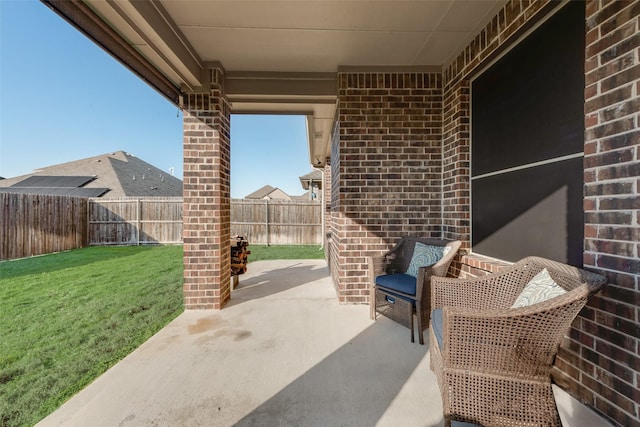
x: 540, y: 288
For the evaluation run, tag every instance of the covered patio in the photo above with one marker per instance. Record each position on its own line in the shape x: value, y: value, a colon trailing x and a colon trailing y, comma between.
x: 283, y: 352
x: 511, y: 126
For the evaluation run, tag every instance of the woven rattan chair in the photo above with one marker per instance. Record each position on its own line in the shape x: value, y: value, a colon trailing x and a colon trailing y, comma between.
x: 492, y: 361
x: 401, y: 306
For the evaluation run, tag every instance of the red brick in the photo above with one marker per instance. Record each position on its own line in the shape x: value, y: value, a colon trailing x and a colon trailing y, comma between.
x: 206, y: 206
x: 437, y: 123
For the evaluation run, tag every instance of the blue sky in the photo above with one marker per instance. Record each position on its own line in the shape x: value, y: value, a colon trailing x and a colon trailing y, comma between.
x: 62, y: 98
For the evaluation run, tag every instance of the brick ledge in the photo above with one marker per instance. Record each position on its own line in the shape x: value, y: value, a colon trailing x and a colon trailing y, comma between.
x: 476, y: 263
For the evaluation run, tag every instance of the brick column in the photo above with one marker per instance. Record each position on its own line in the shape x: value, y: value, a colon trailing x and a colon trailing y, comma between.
x: 386, y: 167
x: 326, y: 207
x: 456, y: 160
x: 207, y: 208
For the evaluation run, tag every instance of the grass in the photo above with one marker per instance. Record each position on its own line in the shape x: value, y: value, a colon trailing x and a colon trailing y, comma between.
x: 66, y: 318
x: 262, y: 252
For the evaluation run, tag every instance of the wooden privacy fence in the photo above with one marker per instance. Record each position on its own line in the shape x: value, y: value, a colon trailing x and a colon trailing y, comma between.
x: 40, y: 224
x: 36, y: 224
x: 135, y: 221
x: 139, y: 221
x: 277, y: 222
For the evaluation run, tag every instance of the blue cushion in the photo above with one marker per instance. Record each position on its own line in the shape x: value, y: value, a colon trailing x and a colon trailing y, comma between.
x: 398, y: 282
x: 437, y: 323
x: 463, y: 424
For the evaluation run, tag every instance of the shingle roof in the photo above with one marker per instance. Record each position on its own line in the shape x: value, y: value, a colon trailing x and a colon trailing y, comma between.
x: 57, y: 191
x: 260, y: 193
x: 55, y: 181
x: 269, y: 192
x: 314, y: 175
x: 122, y: 174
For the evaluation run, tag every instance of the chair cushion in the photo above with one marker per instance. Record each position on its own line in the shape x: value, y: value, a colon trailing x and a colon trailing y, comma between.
x: 425, y: 256
x: 398, y: 282
x: 463, y: 424
x: 437, y: 323
x: 540, y: 288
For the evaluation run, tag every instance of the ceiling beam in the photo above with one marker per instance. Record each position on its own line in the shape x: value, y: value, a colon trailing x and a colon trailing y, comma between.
x: 283, y: 86
x: 94, y: 27
x: 153, y: 24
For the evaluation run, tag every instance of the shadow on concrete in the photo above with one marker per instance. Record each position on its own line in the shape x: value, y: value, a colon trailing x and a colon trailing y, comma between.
x: 284, y: 353
x: 356, y: 386
x: 286, y: 278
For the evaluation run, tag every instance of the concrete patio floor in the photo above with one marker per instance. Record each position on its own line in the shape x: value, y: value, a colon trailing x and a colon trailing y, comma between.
x: 283, y: 352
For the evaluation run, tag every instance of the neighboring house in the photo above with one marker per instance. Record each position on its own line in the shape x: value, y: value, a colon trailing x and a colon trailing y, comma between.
x: 313, y: 183
x: 303, y: 197
x: 268, y: 193
x: 111, y: 175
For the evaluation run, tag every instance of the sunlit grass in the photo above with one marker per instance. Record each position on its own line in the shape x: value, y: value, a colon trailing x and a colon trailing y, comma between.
x: 262, y: 252
x: 66, y: 318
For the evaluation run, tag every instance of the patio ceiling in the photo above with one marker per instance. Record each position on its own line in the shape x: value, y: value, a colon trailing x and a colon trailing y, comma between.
x: 279, y: 56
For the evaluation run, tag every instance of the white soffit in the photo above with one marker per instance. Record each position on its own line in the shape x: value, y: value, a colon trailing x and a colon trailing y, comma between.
x: 293, y: 37
x: 320, y: 36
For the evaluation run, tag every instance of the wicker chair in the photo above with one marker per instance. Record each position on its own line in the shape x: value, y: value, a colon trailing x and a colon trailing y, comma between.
x: 401, y: 306
x: 493, y: 362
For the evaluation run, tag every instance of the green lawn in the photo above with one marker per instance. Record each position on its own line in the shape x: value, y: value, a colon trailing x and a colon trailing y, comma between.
x: 66, y: 318
x: 262, y: 252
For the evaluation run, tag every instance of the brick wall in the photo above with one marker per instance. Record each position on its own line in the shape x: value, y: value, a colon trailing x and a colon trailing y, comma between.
x: 599, y: 362
x: 456, y: 193
x: 207, y: 201
x: 334, y: 199
x: 326, y: 208
x: 603, y: 359
x: 386, y: 169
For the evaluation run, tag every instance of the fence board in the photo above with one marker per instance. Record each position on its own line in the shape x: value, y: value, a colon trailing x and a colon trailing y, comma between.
x: 277, y: 222
x: 39, y: 224
x: 135, y: 221
x: 36, y: 224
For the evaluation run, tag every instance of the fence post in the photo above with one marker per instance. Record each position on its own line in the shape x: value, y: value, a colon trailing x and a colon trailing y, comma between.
x: 138, y: 214
x: 89, y: 231
x: 266, y: 206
